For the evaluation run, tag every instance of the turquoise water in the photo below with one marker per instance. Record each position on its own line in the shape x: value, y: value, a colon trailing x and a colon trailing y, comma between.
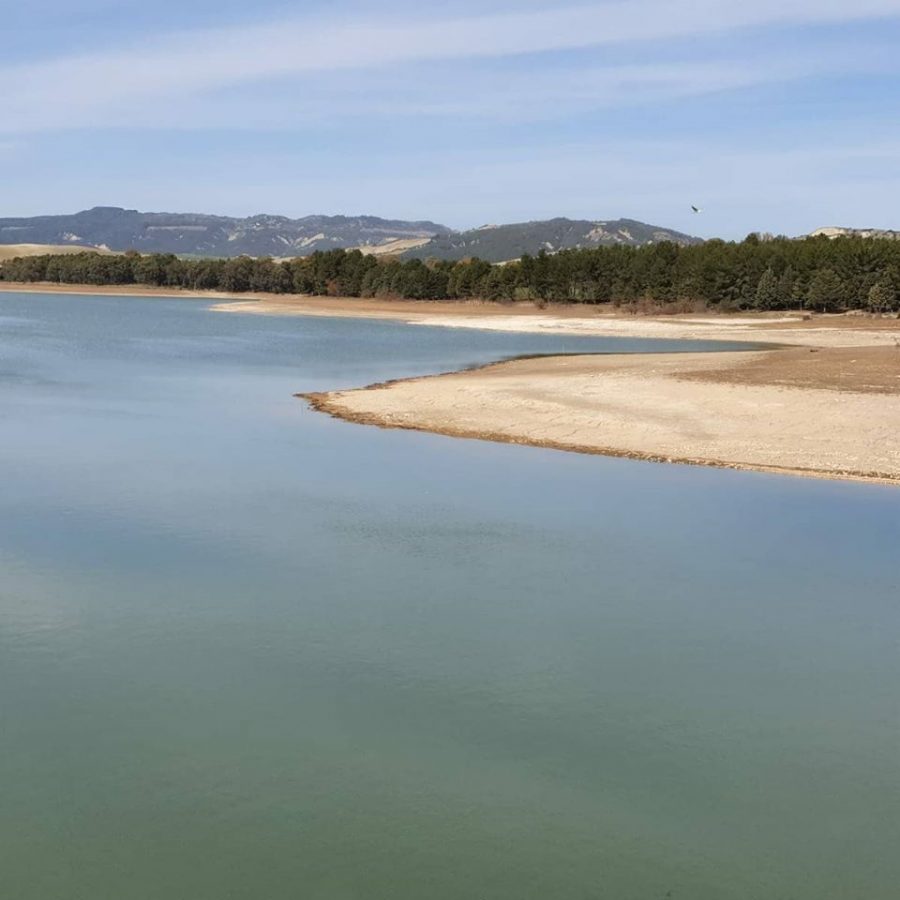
x: 249, y: 651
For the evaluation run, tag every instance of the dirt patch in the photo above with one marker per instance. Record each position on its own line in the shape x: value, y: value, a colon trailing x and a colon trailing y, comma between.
x: 868, y: 370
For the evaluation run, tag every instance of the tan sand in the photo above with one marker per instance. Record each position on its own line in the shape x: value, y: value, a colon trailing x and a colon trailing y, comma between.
x: 830, y: 413
x: 829, y: 408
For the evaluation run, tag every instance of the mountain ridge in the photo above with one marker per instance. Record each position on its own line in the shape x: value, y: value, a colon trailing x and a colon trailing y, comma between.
x: 500, y: 243
x: 200, y: 234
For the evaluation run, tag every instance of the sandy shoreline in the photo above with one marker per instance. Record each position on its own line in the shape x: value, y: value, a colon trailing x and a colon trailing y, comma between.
x: 823, y: 402
x: 120, y: 290
x: 702, y: 409
x: 826, y: 404
x: 574, y: 319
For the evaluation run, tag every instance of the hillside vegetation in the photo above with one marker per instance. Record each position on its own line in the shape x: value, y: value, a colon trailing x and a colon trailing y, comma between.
x: 815, y: 273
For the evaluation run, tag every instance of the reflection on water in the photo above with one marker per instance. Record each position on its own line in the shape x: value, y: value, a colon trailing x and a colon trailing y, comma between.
x: 249, y: 651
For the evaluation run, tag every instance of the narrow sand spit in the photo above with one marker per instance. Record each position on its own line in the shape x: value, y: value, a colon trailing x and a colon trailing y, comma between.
x: 826, y: 413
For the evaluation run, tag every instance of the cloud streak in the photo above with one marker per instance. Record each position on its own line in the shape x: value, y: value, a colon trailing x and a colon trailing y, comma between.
x: 108, y: 88
x: 527, y: 95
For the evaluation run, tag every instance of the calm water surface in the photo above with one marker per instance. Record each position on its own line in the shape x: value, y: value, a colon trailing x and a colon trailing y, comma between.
x: 251, y: 652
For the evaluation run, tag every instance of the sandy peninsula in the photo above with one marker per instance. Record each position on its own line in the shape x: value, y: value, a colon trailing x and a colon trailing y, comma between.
x: 824, y: 401
x: 829, y: 413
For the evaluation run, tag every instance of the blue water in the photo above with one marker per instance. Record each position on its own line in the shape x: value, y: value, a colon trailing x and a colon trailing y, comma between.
x: 249, y: 651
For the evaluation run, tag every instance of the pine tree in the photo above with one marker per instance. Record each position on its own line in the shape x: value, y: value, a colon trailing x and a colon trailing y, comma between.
x: 787, y: 288
x: 825, y: 290
x: 882, y: 296
x: 768, y: 295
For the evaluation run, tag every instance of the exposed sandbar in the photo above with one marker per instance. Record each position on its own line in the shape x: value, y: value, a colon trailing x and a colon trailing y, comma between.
x: 828, y: 413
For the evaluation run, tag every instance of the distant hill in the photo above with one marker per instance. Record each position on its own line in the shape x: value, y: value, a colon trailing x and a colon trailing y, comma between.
x: 11, y: 251
x: 202, y: 235
x: 189, y: 234
x: 498, y: 243
x: 834, y: 232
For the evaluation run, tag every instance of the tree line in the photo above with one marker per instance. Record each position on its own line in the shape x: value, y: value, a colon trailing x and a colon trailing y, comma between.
x: 812, y: 273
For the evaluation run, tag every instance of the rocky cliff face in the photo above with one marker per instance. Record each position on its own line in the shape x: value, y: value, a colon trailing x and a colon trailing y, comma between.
x: 835, y: 232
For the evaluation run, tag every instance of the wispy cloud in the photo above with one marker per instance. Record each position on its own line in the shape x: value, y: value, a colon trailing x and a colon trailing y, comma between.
x: 527, y: 94
x: 107, y: 88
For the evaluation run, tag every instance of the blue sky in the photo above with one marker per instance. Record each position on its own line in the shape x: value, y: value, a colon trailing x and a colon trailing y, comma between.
x: 773, y: 115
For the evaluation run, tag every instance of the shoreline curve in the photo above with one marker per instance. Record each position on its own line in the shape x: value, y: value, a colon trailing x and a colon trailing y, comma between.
x: 661, y: 408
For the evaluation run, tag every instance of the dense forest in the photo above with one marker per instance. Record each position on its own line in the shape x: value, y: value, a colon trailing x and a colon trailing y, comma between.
x: 812, y: 273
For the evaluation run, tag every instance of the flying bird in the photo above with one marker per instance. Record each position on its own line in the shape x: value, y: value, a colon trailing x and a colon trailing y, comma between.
x: 696, y: 209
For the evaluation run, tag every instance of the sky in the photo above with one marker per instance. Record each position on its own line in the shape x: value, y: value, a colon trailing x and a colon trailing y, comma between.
x: 771, y: 115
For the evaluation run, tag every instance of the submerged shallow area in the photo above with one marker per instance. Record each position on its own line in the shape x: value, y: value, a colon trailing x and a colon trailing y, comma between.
x: 250, y: 651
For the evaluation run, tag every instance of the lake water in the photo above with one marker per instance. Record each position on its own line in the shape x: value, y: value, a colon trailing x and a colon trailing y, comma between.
x: 251, y: 652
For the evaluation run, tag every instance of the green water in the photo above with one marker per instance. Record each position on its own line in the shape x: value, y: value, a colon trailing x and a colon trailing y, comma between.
x: 248, y: 651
